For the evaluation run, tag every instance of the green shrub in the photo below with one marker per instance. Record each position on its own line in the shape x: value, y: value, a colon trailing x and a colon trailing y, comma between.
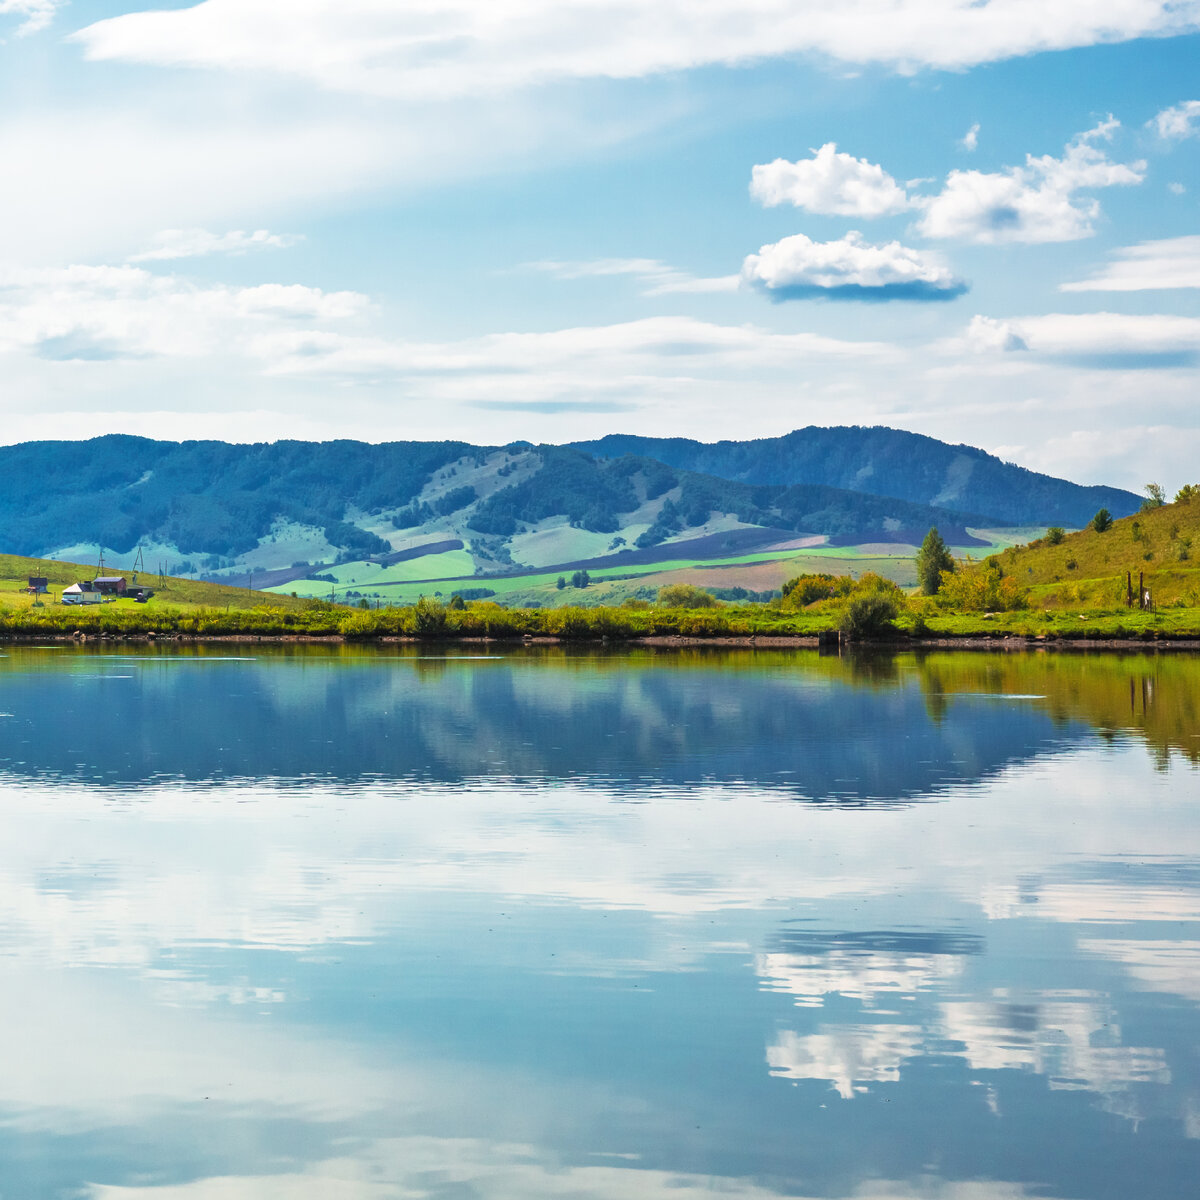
x: 869, y: 615
x: 1055, y: 535
x: 684, y: 595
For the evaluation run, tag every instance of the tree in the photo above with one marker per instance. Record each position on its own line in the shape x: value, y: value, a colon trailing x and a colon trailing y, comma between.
x: 1055, y: 534
x: 562, y: 582
x: 1156, y: 497
x: 933, y: 558
x: 685, y: 595
x: 1102, y: 521
x: 1187, y: 493
x: 580, y: 579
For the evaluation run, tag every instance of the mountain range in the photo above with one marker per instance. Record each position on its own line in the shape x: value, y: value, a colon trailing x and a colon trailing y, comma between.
x: 212, y: 508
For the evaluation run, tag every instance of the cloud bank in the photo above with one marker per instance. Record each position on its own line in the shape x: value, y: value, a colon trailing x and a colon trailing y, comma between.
x: 1159, y: 264
x: 1100, y: 340
x: 442, y: 48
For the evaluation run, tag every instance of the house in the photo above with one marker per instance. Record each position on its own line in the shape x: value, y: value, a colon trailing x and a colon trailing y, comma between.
x: 82, y: 593
x: 110, y: 585
x: 39, y: 585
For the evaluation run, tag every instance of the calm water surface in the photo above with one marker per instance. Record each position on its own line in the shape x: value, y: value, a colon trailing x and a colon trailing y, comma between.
x: 361, y: 925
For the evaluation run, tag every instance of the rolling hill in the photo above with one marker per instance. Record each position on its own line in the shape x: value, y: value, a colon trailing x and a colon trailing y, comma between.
x: 1160, y: 546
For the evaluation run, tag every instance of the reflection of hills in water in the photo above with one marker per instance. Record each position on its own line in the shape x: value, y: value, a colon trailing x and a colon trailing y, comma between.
x: 1156, y: 695
x: 871, y: 729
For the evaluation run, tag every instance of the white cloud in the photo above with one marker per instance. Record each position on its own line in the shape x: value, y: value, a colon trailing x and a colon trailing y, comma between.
x: 986, y: 334
x: 657, y: 278
x: 197, y: 243
x: 829, y: 182
x: 970, y: 139
x: 85, y: 313
x: 1160, y: 264
x: 645, y: 356
x: 439, y: 48
x: 1174, y: 124
x: 1033, y: 203
x: 849, y: 268
x: 1176, y: 189
x: 1101, y: 339
x: 38, y: 14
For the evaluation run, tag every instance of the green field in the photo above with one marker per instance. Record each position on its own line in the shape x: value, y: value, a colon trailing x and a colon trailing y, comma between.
x: 444, y: 573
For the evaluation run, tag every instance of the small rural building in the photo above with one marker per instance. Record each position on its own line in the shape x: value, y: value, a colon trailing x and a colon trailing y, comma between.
x: 82, y: 593
x: 110, y: 585
x: 39, y: 585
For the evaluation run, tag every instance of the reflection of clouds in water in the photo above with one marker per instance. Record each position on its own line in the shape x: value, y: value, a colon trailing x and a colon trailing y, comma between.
x: 86, y: 878
x: 848, y: 1056
x: 420, y: 1168
x: 1074, y: 1042
x: 1077, y: 903
x: 809, y: 978
x: 1158, y: 966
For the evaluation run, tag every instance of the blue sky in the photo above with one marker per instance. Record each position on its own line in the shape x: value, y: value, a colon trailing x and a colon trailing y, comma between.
x: 551, y: 219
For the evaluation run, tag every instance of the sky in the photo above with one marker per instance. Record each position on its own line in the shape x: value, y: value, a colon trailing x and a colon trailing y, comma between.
x: 493, y: 220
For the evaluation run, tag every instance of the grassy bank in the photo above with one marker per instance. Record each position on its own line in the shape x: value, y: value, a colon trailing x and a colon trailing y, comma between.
x: 433, y: 621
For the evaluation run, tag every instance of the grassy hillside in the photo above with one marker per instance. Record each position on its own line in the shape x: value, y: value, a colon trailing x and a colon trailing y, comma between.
x: 1089, y: 568
x: 174, y: 595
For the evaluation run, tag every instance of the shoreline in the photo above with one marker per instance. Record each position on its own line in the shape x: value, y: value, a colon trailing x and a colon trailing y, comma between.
x: 991, y: 642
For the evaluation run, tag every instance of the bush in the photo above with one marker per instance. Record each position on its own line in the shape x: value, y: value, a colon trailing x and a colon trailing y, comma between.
x: 1102, y: 522
x: 1055, y: 535
x: 808, y: 589
x: 429, y: 617
x: 983, y: 588
x: 684, y: 595
x: 869, y: 615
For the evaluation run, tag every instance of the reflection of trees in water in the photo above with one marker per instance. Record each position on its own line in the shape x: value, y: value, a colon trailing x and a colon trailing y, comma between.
x: 1155, y: 696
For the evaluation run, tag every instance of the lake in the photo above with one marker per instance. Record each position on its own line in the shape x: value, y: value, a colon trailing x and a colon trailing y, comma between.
x: 352, y: 923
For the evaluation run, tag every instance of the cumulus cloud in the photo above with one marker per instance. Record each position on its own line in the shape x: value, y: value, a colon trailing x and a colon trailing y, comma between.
x: 657, y: 278
x: 1160, y: 264
x: 198, y: 243
x: 439, y: 48
x: 970, y: 139
x: 1034, y: 203
x: 1181, y: 121
x: 1101, y: 340
x: 848, y: 269
x: 829, y: 182
x: 37, y: 13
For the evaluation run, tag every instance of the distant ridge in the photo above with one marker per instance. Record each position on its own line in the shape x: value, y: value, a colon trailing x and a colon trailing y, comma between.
x: 288, y: 507
x: 883, y: 462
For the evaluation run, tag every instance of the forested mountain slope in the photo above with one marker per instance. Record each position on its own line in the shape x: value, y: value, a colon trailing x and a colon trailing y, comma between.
x: 884, y: 462
x: 288, y: 505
